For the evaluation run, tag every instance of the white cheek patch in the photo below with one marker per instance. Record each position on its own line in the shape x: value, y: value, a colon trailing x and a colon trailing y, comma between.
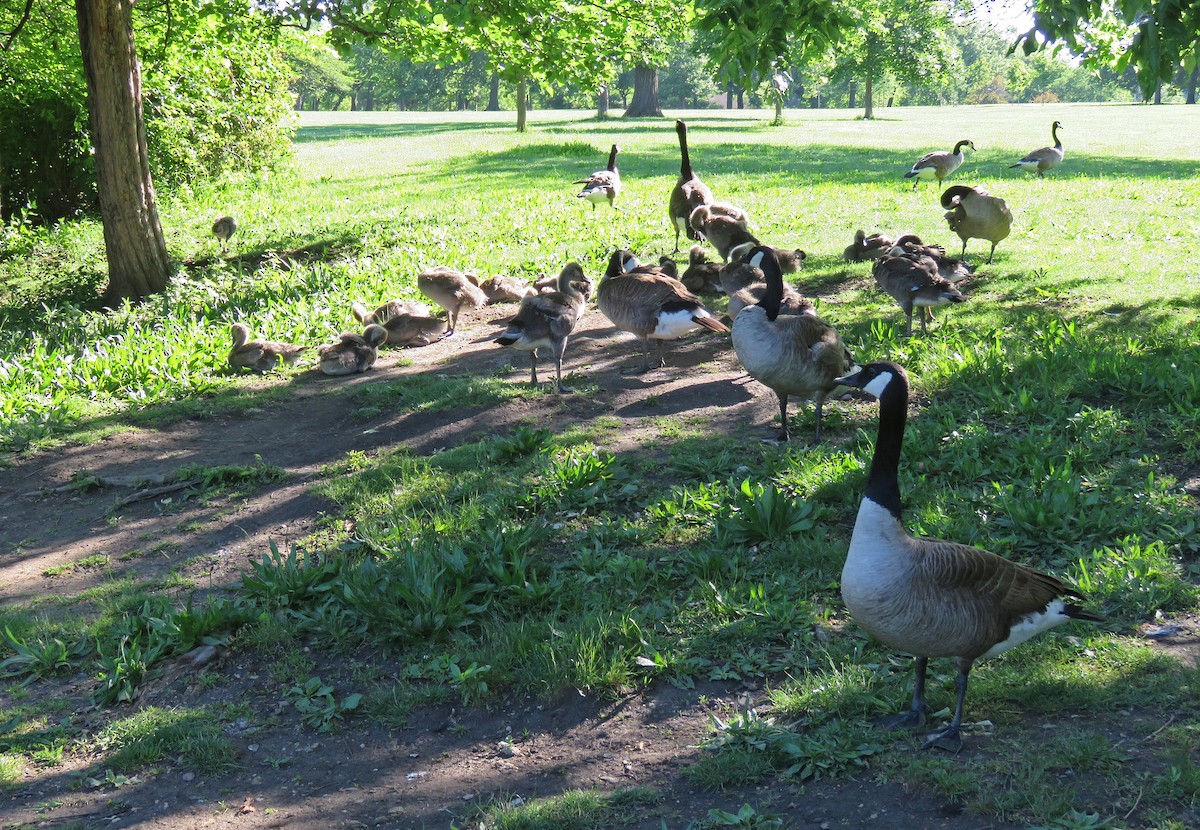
x: 757, y: 260
x: 878, y: 384
x: 630, y: 263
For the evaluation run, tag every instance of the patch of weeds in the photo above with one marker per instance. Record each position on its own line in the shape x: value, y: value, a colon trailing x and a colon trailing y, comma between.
x: 1181, y: 780
x: 469, y: 682
x: 1076, y: 820
x: 36, y: 657
x: 519, y: 443
x: 746, y: 817
x: 124, y: 669
x: 315, y: 701
x: 1133, y: 580
x: 193, y: 736
x: 290, y: 581
x: 11, y: 769
x: 573, y: 810
x: 759, y: 513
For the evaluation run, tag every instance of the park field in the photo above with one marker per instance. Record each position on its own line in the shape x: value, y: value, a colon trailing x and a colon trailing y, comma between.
x: 439, y: 597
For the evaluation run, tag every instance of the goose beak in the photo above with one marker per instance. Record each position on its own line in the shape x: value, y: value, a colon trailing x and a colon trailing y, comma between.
x: 854, y: 379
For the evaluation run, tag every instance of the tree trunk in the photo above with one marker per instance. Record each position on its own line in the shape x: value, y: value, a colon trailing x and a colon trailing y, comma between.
x: 1193, y: 80
x: 602, y: 102
x: 521, y: 105
x: 493, y: 104
x: 853, y: 95
x: 741, y: 95
x: 729, y: 95
x: 138, y: 265
x: 645, y: 94
x: 869, y: 97
x: 1158, y: 93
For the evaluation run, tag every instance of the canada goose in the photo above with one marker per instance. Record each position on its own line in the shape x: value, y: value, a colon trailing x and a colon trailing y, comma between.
x: 689, y: 192
x: 1043, y: 158
x: 929, y: 597
x: 939, y: 165
x: 502, y: 289
x: 547, y: 319
x: 913, y: 281
x: 650, y: 304
x: 948, y: 267
x: 352, y: 353
x: 603, y: 185
x: 974, y: 214
x: 701, y: 276
x: 722, y: 230
x: 746, y: 285
x: 259, y: 355
x: 793, y: 355
x: 224, y: 229
x: 390, y: 309
x: 451, y: 290
x: 867, y: 247
x: 791, y: 260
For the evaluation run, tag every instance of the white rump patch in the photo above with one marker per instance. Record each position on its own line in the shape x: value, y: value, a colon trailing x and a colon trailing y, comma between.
x: 1030, y: 626
x: 673, y: 324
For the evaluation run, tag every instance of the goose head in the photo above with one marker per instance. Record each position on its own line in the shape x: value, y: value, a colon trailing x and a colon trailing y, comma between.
x: 621, y: 262
x: 883, y: 378
x: 966, y: 147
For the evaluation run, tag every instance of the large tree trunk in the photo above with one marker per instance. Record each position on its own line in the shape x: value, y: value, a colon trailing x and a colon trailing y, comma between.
x: 138, y: 265
x: 521, y: 105
x: 869, y: 97
x: 1193, y: 79
x: 645, y: 94
x: 602, y: 102
x: 494, y: 94
x: 853, y: 95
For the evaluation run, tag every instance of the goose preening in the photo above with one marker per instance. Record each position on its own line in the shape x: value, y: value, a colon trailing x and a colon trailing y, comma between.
x: 260, y: 355
x: 867, y: 247
x: 451, y: 290
x: 603, y: 185
x: 724, y: 230
x: 973, y: 214
x: 912, y: 279
x: 390, y: 309
x: 940, y: 164
x: 502, y: 289
x: 652, y: 305
x: 928, y: 597
x: 700, y: 276
x: 547, y: 319
x: 689, y: 192
x: 224, y: 229
x: 352, y: 353
x: 1043, y: 158
x: 799, y: 355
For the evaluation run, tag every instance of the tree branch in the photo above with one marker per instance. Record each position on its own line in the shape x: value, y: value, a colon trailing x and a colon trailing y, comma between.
x: 10, y: 37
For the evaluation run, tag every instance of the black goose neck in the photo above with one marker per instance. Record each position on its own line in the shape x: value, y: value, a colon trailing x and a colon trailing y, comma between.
x: 1054, y: 134
x: 685, y: 161
x: 612, y: 158
x: 883, y: 481
x: 773, y: 297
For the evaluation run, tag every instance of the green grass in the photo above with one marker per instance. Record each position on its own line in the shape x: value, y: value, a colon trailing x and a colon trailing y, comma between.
x: 1055, y: 424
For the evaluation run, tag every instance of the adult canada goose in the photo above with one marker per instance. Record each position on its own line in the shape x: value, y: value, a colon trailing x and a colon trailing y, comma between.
x: 547, y: 319
x: 973, y: 214
x: 939, y: 165
x: 502, y: 289
x: 1043, y: 158
x: 603, y: 185
x: 929, y: 597
x: 451, y: 290
x: 701, y: 276
x: 390, y: 309
x: 913, y: 281
x: 650, y: 304
x: 867, y: 247
x: 352, y: 353
x: 224, y: 229
x: 689, y: 192
x: 797, y: 355
x: 259, y: 355
x: 723, y: 231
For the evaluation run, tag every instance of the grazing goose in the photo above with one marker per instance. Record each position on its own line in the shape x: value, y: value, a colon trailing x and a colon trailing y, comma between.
x: 352, y: 353
x: 654, y: 306
x: 501, y: 289
x: 603, y: 185
x: 689, y: 192
x: 224, y: 229
x: 259, y: 355
x: 912, y: 280
x: 793, y: 355
x: 451, y: 290
x: 390, y: 309
x: 939, y: 165
x: 547, y: 319
x: 867, y: 247
x: 701, y: 276
x: 1043, y: 158
x: 973, y: 214
x: 929, y: 597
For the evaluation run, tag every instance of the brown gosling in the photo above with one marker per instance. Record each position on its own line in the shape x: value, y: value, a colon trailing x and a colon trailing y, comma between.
x: 867, y: 247
x: 913, y: 281
x: 452, y: 290
x: 502, y: 289
x: 938, y: 165
x: 689, y: 192
x: 547, y: 319
x: 929, y: 597
x: 224, y: 229
x: 1043, y: 158
x: 260, y: 355
x: 973, y: 214
x: 701, y: 276
x: 390, y: 309
x: 352, y: 353
x: 723, y: 231
x: 603, y: 185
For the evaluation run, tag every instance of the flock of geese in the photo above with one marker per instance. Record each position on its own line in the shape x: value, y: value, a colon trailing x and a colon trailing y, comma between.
x: 927, y: 597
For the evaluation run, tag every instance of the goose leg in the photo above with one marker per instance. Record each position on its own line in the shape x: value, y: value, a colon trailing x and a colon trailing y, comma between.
x: 783, y: 400
x: 533, y: 367
x: 820, y: 401
x: 908, y: 309
x: 963, y: 255
x: 991, y: 253
x: 662, y: 361
x: 915, y: 716
x: 558, y: 356
x: 949, y: 737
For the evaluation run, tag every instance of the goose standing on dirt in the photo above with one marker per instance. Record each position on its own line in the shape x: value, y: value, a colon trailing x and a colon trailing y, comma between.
x: 928, y: 597
x: 1043, y: 158
x: 451, y: 290
x: 224, y: 229
x: 689, y: 192
x: 390, y: 309
x: 260, y: 355
x: 939, y: 165
x: 867, y: 247
x: 973, y: 214
x: 547, y: 319
x: 650, y: 304
x: 603, y: 185
x: 799, y: 355
x: 352, y: 353
x: 912, y: 279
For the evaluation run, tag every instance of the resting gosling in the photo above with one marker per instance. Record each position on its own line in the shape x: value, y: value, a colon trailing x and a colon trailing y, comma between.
x: 701, y: 276
x: 260, y: 355
x: 547, y: 319
x: 1043, y: 158
x: 502, y: 289
x: 973, y: 214
x: 689, y: 192
x: 224, y: 229
x: 451, y: 290
x: 929, y: 597
x: 650, y: 304
x: 867, y: 247
x: 938, y: 165
x: 352, y: 353
x: 724, y: 231
x: 913, y: 281
x: 793, y: 355
x: 603, y: 185
x: 390, y: 309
